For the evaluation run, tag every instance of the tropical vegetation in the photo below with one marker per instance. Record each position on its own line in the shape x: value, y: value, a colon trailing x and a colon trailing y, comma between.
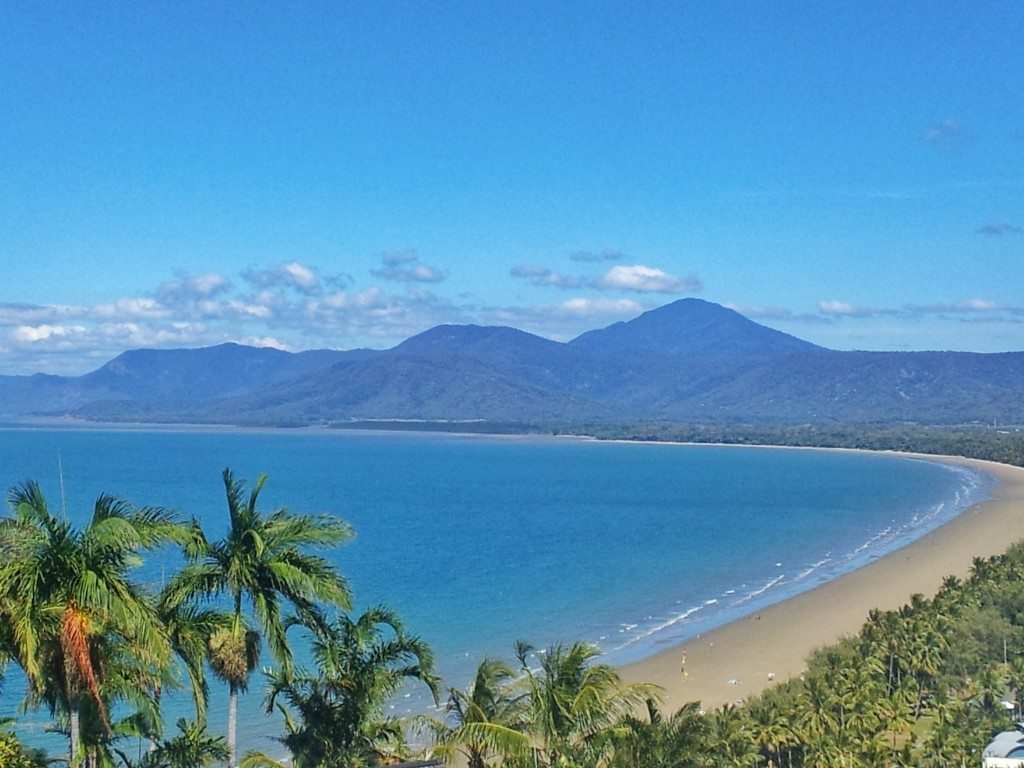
x: 926, y: 685
x: 261, y: 564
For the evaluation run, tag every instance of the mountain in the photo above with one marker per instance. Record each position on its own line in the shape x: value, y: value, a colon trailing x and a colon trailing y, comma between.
x: 690, y: 361
x: 411, y: 388
x: 164, y: 375
x: 692, y: 329
x: 200, y: 374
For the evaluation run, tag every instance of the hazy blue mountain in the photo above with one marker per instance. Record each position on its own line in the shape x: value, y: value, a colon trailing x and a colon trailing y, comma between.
x: 867, y: 387
x: 692, y: 328
x: 515, y: 354
x: 380, y: 388
x: 165, y: 375
x: 688, y: 361
x: 207, y: 372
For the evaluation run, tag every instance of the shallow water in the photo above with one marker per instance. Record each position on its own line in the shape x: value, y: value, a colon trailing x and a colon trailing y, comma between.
x: 480, y: 541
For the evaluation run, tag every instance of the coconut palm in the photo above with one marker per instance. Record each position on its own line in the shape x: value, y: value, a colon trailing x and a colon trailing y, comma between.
x: 193, y: 747
x: 70, y: 599
x: 488, y: 711
x: 770, y: 731
x: 190, y: 630
x: 261, y: 563
x: 575, y: 707
x: 657, y: 742
x: 335, y: 714
x: 730, y: 739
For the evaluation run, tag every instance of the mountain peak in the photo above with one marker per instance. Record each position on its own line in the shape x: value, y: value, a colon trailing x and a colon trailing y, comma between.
x: 471, y: 339
x: 693, y: 328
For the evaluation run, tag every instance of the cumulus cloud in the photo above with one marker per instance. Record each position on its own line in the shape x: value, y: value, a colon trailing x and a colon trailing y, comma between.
x: 542, y: 276
x: 834, y: 310
x: 285, y: 306
x: 35, y: 333
x: 948, y: 136
x: 290, y: 274
x: 643, y: 279
x: 600, y: 307
x: 566, y: 319
x: 998, y: 228
x: 977, y: 305
x: 842, y: 308
x: 596, y: 256
x: 188, y: 287
x: 960, y: 307
x: 774, y: 313
x: 264, y: 341
x: 406, y: 267
x: 133, y: 308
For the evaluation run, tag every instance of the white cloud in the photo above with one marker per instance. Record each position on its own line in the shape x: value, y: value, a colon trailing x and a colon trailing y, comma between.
x: 643, y: 279
x: 290, y: 274
x: 542, y: 276
x: 263, y: 341
x: 566, y: 319
x: 405, y: 267
x: 137, y: 308
x: 251, y: 309
x: 833, y: 307
x: 191, y: 287
x: 601, y: 307
x: 977, y: 305
x: 32, y: 334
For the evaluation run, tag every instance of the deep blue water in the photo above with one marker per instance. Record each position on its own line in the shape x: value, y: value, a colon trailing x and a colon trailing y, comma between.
x: 480, y: 541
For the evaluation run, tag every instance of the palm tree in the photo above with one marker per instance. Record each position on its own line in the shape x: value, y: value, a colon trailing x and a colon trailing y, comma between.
x: 190, y: 629
x: 769, y: 730
x: 575, y: 707
x: 69, y: 598
x: 659, y: 743
x: 487, y: 712
x: 731, y: 740
x: 334, y: 715
x: 261, y: 563
x: 192, y: 748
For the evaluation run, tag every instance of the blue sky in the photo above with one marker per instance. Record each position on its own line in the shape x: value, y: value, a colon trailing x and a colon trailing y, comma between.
x: 315, y: 174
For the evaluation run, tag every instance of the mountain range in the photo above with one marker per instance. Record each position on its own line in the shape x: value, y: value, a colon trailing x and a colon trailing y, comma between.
x: 689, y: 361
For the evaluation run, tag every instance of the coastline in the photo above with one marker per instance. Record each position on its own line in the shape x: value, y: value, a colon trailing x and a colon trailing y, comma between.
x: 777, y: 638
x: 733, y: 662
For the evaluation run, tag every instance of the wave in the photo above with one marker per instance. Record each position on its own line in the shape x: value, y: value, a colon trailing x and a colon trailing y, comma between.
x: 706, y: 613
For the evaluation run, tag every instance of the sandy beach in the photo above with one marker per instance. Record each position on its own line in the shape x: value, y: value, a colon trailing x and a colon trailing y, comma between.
x: 736, y: 661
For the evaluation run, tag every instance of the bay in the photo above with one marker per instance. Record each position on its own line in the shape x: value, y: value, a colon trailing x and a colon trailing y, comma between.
x: 480, y: 541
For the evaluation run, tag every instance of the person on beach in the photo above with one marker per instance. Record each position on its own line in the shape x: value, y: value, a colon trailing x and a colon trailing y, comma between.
x: 682, y: 666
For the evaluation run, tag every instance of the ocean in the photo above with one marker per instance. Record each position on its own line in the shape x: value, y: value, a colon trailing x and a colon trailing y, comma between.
x: 481, y: 541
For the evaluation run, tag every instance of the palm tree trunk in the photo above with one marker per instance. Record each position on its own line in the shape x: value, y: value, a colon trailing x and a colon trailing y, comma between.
x: 74, y: 732
x: 232, y: 726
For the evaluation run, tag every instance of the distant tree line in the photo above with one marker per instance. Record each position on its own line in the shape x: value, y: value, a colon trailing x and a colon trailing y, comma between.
x: 1001, y: 444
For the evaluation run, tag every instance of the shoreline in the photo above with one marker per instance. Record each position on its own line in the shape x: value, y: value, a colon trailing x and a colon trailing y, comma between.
x: 733, y: 662
x: 775, y: 639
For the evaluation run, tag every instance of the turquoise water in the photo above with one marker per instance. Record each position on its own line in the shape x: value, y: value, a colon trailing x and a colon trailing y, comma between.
x: 480, y: 541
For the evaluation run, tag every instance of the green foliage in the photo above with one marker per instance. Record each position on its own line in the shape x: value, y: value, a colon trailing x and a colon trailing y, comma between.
x: 1005, y: 445
x: 924, y: 685
x: 193, y: 747
x: 921, y: 686
x: 14, y: 755
x: 263, y: 563
x: 482, y: 722
x: 335, y: 714
x: 84, y: 633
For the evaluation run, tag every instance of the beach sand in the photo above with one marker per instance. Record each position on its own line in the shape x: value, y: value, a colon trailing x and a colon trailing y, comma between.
x: 734, y: 662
